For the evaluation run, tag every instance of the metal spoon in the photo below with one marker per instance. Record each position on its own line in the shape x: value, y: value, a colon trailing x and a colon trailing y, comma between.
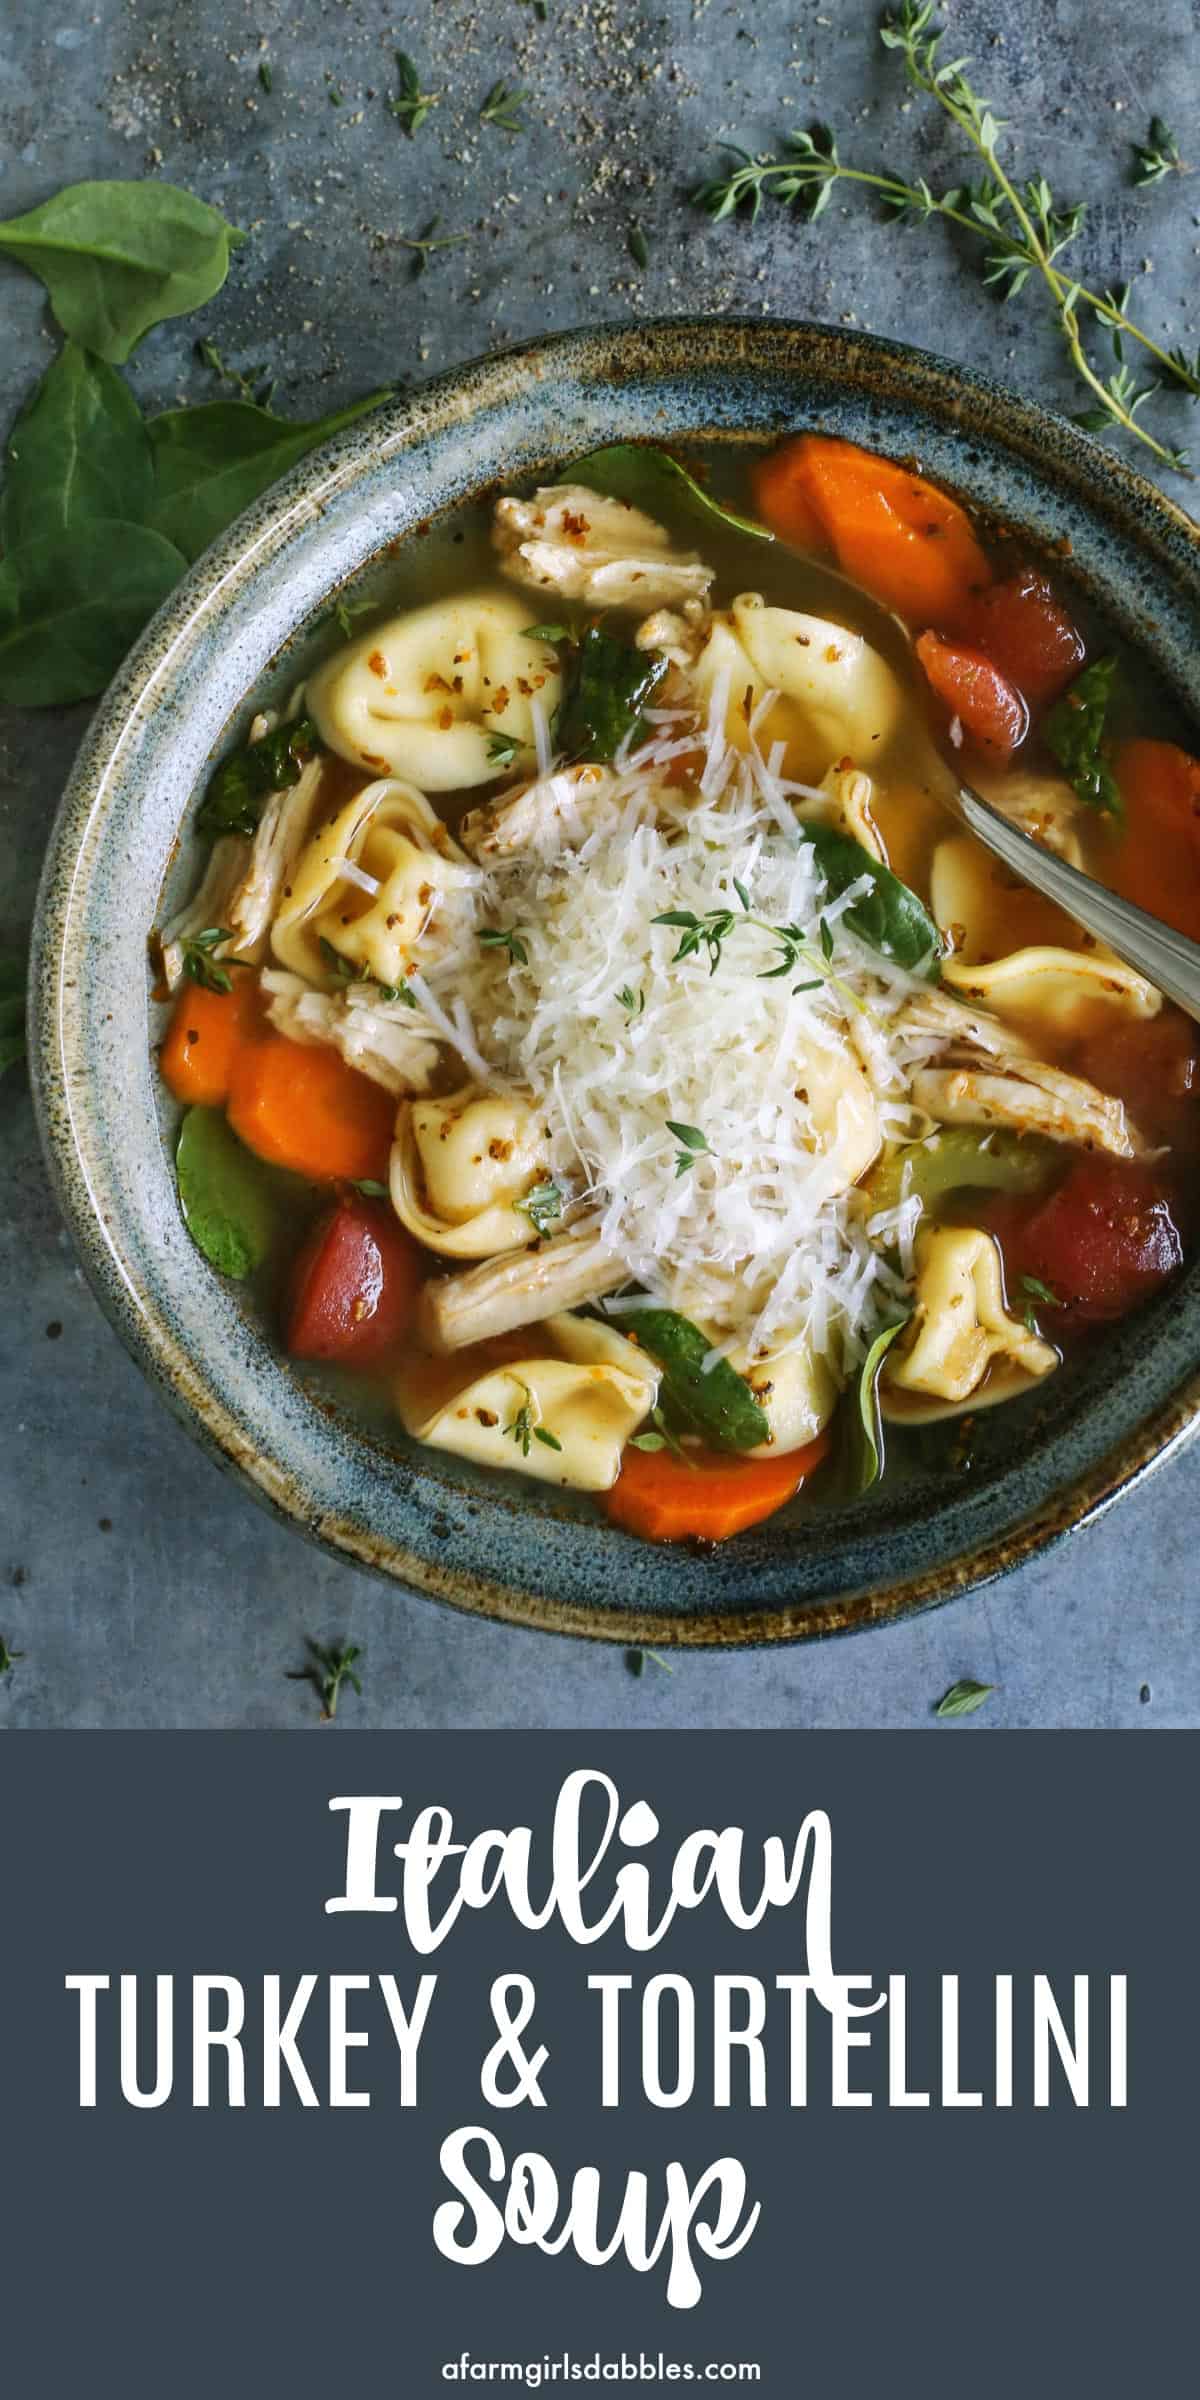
x: 1167, y: 959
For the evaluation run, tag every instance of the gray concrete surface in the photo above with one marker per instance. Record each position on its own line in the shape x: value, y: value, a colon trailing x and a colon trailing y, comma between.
x: 143, y: 1589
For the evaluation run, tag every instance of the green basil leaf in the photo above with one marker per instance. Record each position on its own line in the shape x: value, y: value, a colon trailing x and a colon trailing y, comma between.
x: 71, y: 606
x: 862, y: 1463
x: 608, y: 687
x: 213, y: 461
x: 1074, y: 733
x: 889, y: 917
x: 637, y: 472
x: 77, y: 451
x: 242, y: 783
x: 718, y: 1404
x: 964, y: 1698
x: 117, y: 258
x: 225, y: 1194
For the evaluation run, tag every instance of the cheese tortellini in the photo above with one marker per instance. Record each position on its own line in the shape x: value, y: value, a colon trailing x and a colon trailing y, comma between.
x: 1014, y: 951
x: 962, y: 1347
x: 428, y: 694
x: 370, y: 885
x: 460, y: 1166
x: 839, y: 1119
x: 838, y: 697
x: 562, y: 1415
x: 797, y: 1393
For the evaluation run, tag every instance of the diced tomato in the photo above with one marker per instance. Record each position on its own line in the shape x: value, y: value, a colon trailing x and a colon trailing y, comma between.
x: 1153, y: 1065
x: 1025, y: 631
x: 1158, y: 862
x: 1102, y: 1242
x: 992, y: 714
x: 354, y: 1286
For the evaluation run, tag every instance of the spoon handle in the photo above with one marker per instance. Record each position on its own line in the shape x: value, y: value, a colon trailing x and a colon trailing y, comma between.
x: 1167, y: 959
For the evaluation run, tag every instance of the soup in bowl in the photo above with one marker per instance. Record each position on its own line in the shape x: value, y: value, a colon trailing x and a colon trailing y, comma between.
x: 611, y: 1056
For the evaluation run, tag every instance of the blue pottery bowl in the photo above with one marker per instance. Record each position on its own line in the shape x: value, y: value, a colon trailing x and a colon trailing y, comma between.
x: 497, y: 1544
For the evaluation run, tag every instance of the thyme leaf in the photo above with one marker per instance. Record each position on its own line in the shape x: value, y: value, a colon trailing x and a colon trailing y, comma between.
x: 330, y: 1665
x: 411, y: 105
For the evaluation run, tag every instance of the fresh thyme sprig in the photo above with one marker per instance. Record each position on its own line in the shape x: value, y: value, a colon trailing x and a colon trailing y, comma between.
x: 424, y: 244
x: 712, y: 931
x: 502, y: 107
x: 660, y: 1437
x: 504, y: 937
x: 1158, y: 155
x: 635, y: 1662
x: 525, y: 1431
x: 256, y: 384
x: 8, y: 1658
x: 503, y: 750
x: 198, y: 963
x: 543, y: 1205
x: 411, y: 105
x: 693, y: 1145
x: 330, y: 1665
x: 1025, y: 231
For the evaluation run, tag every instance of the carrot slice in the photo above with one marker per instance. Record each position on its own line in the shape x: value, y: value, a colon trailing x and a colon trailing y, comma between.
x: 205, y: 1035
x: 1158, y: 862
x: 783, y: 499
x: 666, y: 1499
x: 905, y: 541
x: 304, y: 1108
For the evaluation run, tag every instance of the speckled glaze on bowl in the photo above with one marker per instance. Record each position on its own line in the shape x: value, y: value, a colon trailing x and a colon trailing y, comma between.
x: 495, y: 1544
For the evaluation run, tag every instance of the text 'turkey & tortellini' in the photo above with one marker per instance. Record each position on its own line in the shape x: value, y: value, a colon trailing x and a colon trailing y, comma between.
x: 370, y: 884
x: 459, y: 1167
x: 427, y: 694
x: 962, y: 1347
x: 587, y: 1389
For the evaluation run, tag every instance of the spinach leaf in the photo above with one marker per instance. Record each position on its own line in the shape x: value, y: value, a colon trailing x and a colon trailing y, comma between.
x: 889, y: 917
x: 236, y: 793
x: 608, y: 687
x: 12, y: 1012
x: 71, y: 606
x: 720, y: 1404
x: 225, y: 1194
x: 214, y: 460
x: 650, y: 478
x: 77, y: 451
x: 1074, y: 731
x: 117, y: 258
x: 861, y: 1425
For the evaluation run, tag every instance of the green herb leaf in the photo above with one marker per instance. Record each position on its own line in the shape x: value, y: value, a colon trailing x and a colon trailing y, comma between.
x: 238, y: 791
x: 609, y: 686
x: 719, y: 1404
x: 1074, y: 732
x: 500, y: 937
x: 329, y: 1667
x: 889, y: 917
x: 503, y: 751
x: 661, y: 1437
x: 1158, y: 155
x: 226, y: 1195
x: 543, y: 1206
x: 638, y: 246
x: 525, y: 1431
x: 542, y: 1433
x: 8, y: 1658
x: 78, y: 451
x: 650, y: 478
x: 502, y: 107
x: 632, y: 1002
x: 689, y: 1135
x: 861, y: 1421
x: 411, y: 105
x: 71, y: 606
x: 964, y: 1698
x: 635, y: 1662
x: 250, y: 383
x: 553, y: 634
x: 213, y: 461
x: 1036, y: 1294
x: 200, y: 965
x: 370, y: 1189
x: 117, y: 258
x: 265, y: 76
